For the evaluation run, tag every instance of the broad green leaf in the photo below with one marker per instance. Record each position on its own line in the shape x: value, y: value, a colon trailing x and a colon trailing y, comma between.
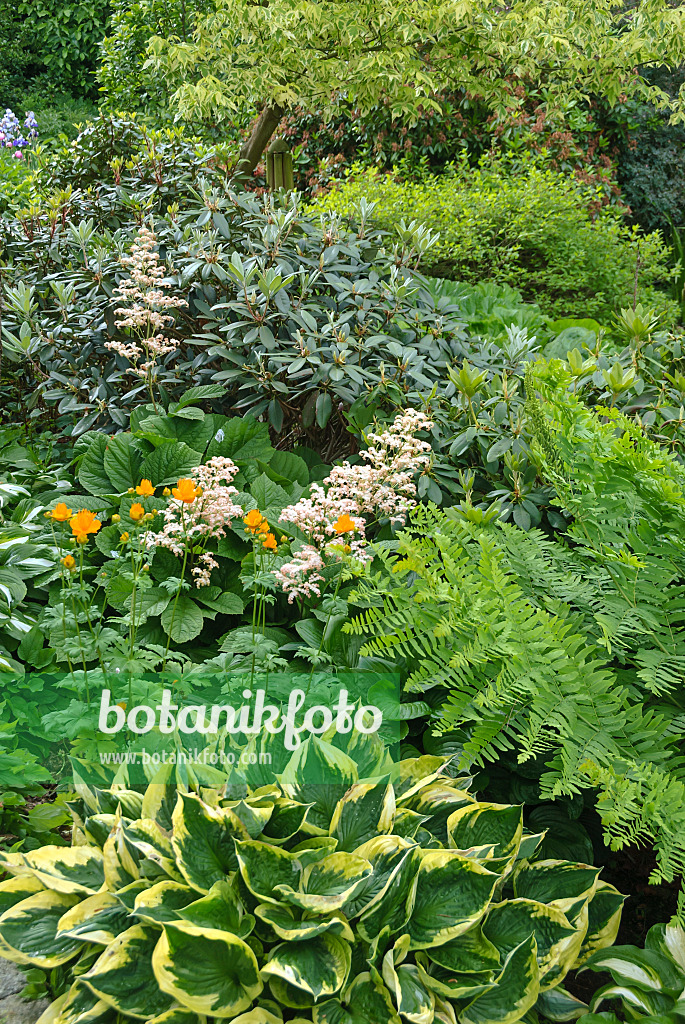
x: 169, y: 463
x: 182, y: 619
x: 452, y: 894
x: 162, y: 902
x: 515, y: 992
x: 99, y: 919
x: 29, y: 931
x: 78, y: 1006
x: 328, y: 884
x: 319, y: 966
x: 282, y: 920
x: 559, y: 1005
x: 662, y: 938
x: 475, y: 824
x: 413, y: 1000
x: 318, y: 774
x: 220, y: 908
x: 206, y: 970
x: 394, y: 861
x: 643, y: 969
x: 75, y: 869
x: 12, y: 586
x: 122, y: 976
x: 200, y: 393
x: 557, y: 941
x: 122, y: 460
x: 14, y: 890
x: 244, y: 440
x: 203, y: 841
x: 470, y: 953
x: 437, y: 801
x: 92, y: 474
x: 364, y: 1001
x: 547, y: 880
x: 366, y: 810
x: 264, y: 867
x: 604, y: 919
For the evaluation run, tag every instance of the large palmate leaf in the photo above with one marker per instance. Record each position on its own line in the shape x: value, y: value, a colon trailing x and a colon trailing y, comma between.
x: 123, y: 977
x: 29, y: 931
x: 206, y: 970
x: 452, y: 894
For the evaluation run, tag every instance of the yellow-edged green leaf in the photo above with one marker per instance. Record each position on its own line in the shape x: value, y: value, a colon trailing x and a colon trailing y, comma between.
x: 413, y: 1000
x: 122, y: 976
x: 485, y: 823
x: 366, y: 810
x: 99, y: 919
x: 29, y: 930
x: 365, y: 1000
x: 452, y: 894
x: 318, y: 774
x: 318, y: 967
x: 264, y: 867
x: 328, y: 884
x: 514, y: 993
x: 221, y: 908
x: 203, y: 841
x: 79, y: 1006
x: 163, y: 901
x: 437, y: 802
x: 14, y: 890
x: 68, y: 869
x: 282, y: 920
x: 469, y: 953
x: 547, y: 880
x: 206, y: 970
x: 557, y: 940
x: 387, y: 855
x: 604, y: 919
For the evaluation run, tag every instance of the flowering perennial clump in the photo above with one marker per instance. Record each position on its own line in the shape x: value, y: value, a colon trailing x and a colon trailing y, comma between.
x: 146, y: 308
x: 12, y: 136
x: 381, y: 487
x: 199, y: 509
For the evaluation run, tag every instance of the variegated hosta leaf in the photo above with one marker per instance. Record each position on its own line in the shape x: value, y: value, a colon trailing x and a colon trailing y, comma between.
x: 662, y: 938
x: 78, y: 1006
x: 547, y: 880
x: 264, y: 867
x: 469, y: 953
x: 221, y: 908
x: 514, y: 993
x: 259, y: 1016
x: 29, y: 930
x: 162, y: 902
x: 529, y: 844
x: 14, y: 890
x: 386, y: 855
x: 558, y: 942
x: 120, y: 866
x: 253, y: 812
x: 318, y: 774
x: 149, y: 842
x: 67, y: 869
x: 99, y: 919
x: 413, y: 1000
x: 559, y: 1005
x: 365, y: 811
x: 286, y: 820
x: 604, y: 918
x: 122, y: 976
x: 177, y: 1015
x: 484, y: 823
x: 328, y: 884
x: 452, y: 894
x: 203, y: 841
x: 98, y: 828
x: 416, y: 773
x: 206, y: 970
x: 437, y: 802
x: 318, y: 967
x: 283, y: 921
x: 364, y: 1001
x: 395, y: 868
x: 452, y: 985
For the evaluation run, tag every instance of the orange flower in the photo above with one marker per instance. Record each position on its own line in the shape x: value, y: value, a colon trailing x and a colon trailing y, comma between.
x: 83, y: 523
x: 124, y: 537
x: 69, y: 562
x: 61, y: 513
x: 253, y: 521
x: 263, y: 527
x: 344, y: 525
x: 186, y: 491
x: 145, y: 488
x: 136, y: 512
x: 269, y: 542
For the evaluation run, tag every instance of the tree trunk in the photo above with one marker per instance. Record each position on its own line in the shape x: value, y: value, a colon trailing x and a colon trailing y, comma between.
x: 264, y: 127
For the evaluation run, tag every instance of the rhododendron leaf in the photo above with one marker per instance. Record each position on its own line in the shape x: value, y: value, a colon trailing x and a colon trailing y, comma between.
x: 122, y: 976
x: 29, y: 931
x: 99, y: 919
x: 203, y: 841
x: 452, y: 894
x: 319, y: 966
x: 206, y: 970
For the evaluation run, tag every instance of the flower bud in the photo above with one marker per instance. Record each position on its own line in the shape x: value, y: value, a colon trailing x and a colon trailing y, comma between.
x: 116, y: 518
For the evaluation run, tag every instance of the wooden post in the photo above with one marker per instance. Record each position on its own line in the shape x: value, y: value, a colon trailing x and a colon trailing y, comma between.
x: 279, y: 166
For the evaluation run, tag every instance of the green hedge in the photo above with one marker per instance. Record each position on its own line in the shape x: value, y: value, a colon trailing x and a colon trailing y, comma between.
x: 538, y: 231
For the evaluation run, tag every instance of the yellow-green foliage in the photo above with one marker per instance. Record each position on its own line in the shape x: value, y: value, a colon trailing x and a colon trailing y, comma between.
x: 533, y: 230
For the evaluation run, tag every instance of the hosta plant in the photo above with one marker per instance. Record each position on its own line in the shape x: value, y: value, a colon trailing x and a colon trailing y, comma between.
x: 351, y: 890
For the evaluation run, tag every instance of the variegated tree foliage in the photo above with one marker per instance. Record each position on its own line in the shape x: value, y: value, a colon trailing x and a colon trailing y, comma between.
x: 387, y: 892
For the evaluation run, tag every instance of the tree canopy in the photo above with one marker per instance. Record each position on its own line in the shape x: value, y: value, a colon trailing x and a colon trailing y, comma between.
x: 275, y: 54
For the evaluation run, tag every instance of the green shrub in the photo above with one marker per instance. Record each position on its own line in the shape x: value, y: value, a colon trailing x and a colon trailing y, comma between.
x: 344, y: 894
x: 532, y: 230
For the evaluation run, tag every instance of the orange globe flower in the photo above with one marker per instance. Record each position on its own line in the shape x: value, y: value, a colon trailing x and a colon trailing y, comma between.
x: 61, y: 513
x: 124, y: 537
x: 269, y: 542
x: 136, y: 512
x: 83, y: 523
x: 253, y: 521
x: 344, y: 525
x: 69, y: 562
x: 145, y: 488
x: 186, y: 491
